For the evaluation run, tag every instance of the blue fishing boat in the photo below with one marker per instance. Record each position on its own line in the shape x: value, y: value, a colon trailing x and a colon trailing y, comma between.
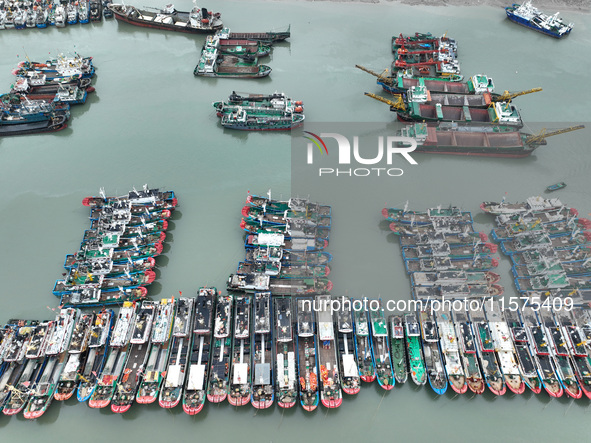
x: 556, y: 186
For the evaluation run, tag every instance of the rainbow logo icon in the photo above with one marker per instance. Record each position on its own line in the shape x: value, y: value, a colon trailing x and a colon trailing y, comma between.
x: 317, y: 141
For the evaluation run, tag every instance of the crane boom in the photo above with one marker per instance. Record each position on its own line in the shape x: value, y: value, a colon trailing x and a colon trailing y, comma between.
x: 508, y: 96
x: 542, y: 135
x: 381, y: 77
x: 397, y: 105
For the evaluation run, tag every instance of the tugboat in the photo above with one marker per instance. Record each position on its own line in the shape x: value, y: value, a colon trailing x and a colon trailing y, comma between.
x: 286, y: 382
x: 76, y: 359
x: 131, y: 377
x: 432, y: 353
x: 104, y: 386
x: 504, y: 347
x: 367, y: 371
x: 450, y: 351
x: 240, y: 373
x: 100, y: 335
x: 307, y: 355
x: 331, y: 395
x: 172, y: 389
x: 219, y: 374
x: 157, y: 361
x: 486, y: 353
x: 527, y: 364
x: 195, y: 388
x: 469, y: 356
x: 380, y: 348
x: 538, y: 344
x: 418, y: 371
x: 350, y: 380
x: 559, y: 350
x: 263, y: 395
x: 529, y: 16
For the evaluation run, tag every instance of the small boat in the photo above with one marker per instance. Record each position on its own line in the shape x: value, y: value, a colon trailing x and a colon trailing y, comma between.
x: 331, y: 394
x: 529, y: 16
x: 219, y: 373
x: 556, y: 186
x: 285, y: 353
x: 380, y: 348
x: 95, y: 10
x: 262, y: 390
x: 349, y: 371
x: 198, y: 20
x: 367, y: 371
x: 72, y: 13
x: 241, y: 370
x: 83, y: 11
x: 199, y: 353
x: 307, y: 355
x: 468, y: 352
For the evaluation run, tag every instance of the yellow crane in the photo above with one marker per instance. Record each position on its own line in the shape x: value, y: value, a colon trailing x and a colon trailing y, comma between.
x: 508, y: 96
x: 381, y: 76
x: 397, y: 105
x: 537, y: 139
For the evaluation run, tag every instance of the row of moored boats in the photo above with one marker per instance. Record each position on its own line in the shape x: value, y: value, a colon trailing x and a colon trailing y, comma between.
x: 42, y: 94
x: 116, y: 258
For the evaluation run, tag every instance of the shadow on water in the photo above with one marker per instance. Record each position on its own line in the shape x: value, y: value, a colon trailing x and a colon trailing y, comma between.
x: 155, y: 289
x: 392, y: 238
x: 162, y: 261
x: 176, y: 215
x: 384, y: 225
x: 483, y: 219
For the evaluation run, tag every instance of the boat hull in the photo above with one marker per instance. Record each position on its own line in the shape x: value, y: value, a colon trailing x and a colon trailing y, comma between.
x: 163, y: 26
x: 523, y: 22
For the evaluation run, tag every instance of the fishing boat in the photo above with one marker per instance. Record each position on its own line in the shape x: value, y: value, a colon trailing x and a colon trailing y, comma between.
x: 83, y: 12
x: 477, y: 263
x: 467, y: 250
x: 403, y: 215
x: 30, y: 118
x: 100, y: 335
x: 363, y: 352
x: 277, y: 103
x: 197, y: 364
x: 416, y: 360
x: 25, y: 379
x: 157, y: 360
x: 540, y: 350
x: 243, y: 121
x: 39, y: 339
x: 485, y: 347
x: 89, y: 296
x: 432, y: 353
x: 450, y: 351
x: 213, y: 64
x: 77, y: 353
x: 398, y: 348
x: 531, y: 205
x: 504, y: 347
x: 219, y: 373
x: 138, y: 200
x: 307, y: 355
x: 239, y: 392
x: 331, y: 394
x: 285, y: 353
x: 559, y: 351
x: 528, y: 15
x: 431, y: 237
x: 264, y: 37
x: 248, y: 49
x: 469, y: 357
x: 43, y: 391
x: 198, y: 20
x: 380, y: 348
x: 349, y: 371
x: 95, y: 10
x: 131, y: 377
x: 578, y: 328
x: 262, y: 364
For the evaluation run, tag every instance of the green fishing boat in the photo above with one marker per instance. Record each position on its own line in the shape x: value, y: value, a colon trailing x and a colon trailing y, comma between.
x: 418, y: 372
x: 398, y: 348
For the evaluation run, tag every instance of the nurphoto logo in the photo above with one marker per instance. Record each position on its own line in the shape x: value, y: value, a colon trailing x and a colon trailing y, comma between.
x: 350, y: 153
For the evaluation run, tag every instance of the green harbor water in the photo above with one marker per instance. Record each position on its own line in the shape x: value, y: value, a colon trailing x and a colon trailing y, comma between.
x: 151, y: 121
